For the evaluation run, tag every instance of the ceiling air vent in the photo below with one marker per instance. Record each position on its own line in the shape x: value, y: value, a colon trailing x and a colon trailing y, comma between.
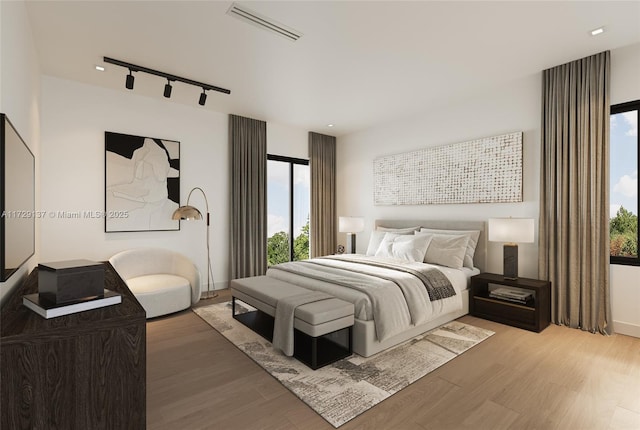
x: 263, y: 22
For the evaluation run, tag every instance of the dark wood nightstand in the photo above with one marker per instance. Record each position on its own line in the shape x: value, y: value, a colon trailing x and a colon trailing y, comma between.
x: 535, y: 315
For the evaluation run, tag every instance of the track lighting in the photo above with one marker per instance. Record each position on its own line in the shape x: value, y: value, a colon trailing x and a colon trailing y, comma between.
x: 130, y: 80
x: 170, y: 78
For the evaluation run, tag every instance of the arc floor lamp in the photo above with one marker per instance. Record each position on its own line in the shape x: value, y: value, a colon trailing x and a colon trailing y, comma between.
x: 188, y: 213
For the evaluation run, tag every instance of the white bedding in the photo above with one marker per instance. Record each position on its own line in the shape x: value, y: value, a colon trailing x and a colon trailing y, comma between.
x: 396, y: 308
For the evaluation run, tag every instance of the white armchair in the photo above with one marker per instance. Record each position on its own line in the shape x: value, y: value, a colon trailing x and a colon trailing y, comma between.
x: 163, y: 281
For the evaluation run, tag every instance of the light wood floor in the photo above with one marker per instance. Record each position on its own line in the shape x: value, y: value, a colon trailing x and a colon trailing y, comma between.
x: 559, y: 379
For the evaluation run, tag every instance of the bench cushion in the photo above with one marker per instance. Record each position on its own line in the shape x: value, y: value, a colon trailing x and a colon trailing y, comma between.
x: 314, y: 319
x: 267, y: 290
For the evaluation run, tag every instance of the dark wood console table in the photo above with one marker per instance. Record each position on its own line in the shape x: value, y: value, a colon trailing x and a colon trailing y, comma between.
x: 80, y: 371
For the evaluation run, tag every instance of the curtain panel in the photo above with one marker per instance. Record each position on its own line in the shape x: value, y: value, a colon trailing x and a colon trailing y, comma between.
x: 322, y: 220
x: 574, y: 192
x: 248, y: 141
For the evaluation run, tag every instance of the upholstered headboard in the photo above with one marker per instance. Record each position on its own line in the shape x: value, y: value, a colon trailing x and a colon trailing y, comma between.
x: 480, y: 256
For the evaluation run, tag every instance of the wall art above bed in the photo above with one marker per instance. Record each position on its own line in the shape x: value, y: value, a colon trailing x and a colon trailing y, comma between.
x: 486, y: 170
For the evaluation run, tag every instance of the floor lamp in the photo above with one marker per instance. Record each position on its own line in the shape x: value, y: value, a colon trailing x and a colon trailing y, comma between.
x: 188, y: 213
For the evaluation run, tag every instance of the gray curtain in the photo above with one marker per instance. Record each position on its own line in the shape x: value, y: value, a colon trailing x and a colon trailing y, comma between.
x: 322, y: 221
x: 574, y: 192
x: 248, y: 141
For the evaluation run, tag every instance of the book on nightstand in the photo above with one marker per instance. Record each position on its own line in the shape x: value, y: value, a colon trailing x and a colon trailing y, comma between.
x: 47, y: 310
x: 512, y: 295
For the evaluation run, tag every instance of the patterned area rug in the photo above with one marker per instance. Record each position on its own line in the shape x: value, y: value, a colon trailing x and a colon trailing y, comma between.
x: 343, y: 390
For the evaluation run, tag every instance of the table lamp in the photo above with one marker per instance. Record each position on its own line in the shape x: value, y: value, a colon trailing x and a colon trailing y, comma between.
x: 351, y: 225
x: 511, y: 231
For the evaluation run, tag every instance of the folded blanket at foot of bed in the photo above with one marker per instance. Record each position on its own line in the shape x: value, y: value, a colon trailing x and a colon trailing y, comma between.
x: 285, y: 310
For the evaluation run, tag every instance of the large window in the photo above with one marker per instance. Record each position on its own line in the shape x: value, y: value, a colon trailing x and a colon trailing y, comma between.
x: 623, y: 208
x: 287, y: 209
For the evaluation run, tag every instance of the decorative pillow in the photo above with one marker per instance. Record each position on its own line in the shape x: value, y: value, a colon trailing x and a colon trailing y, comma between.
x: 376, y: 236
x: 374, y: 242
x: 446, y: 249
x: 406, y: 247
x: 474, y: 235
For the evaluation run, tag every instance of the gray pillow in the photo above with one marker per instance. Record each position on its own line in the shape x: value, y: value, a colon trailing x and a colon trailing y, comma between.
x: 474, y: 235
x: 446, y: 249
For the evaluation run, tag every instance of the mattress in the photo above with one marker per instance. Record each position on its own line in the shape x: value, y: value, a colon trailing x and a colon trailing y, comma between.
x: 417, y: 308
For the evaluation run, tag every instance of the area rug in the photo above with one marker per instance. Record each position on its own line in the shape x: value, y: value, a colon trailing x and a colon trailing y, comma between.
x: 343, y: 390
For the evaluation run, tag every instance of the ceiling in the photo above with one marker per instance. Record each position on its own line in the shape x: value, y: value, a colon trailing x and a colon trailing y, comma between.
x: 357, y: 64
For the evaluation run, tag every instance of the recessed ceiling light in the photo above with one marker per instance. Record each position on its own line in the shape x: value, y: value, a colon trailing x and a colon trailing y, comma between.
x: 99, y: 68
x: 597, y: 31
x: 329, y: 125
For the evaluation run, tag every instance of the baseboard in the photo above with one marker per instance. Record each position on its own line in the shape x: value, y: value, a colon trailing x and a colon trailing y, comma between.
x: 628, y: 329
x: 219, y: 285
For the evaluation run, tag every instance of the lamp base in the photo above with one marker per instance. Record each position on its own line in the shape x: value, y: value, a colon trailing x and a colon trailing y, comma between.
x: 206, y: 295
x: 351, y: 243
x: 510, y: 261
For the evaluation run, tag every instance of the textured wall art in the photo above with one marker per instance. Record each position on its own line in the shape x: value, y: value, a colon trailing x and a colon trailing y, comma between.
x: 142, y: 183
x: 486, y: 170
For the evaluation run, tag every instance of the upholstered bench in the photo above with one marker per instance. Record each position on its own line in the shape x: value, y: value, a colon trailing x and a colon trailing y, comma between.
x: 322, y: 329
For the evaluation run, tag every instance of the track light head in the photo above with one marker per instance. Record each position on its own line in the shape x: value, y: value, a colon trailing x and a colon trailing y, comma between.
x: 203, y: 98
x: 130, y: 79
x: 167, y: 89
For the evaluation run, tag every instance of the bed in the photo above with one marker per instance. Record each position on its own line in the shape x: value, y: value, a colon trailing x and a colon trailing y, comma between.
x: 381, y: 323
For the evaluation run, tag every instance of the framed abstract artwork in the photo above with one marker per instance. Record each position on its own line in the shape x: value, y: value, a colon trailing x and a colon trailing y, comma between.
x: 487, y: 170
x: 142, y: 183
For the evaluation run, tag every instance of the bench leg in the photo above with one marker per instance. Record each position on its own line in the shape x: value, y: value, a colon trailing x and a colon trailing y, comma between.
x: 314, y: 353
x: 350, y: 340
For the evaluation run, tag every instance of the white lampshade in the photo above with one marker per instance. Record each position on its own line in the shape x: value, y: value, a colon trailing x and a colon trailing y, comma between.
x: 350, y: 224
x: 511, y: 230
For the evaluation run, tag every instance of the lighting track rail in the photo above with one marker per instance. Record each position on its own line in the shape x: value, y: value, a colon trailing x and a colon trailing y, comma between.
x: 169, y: 77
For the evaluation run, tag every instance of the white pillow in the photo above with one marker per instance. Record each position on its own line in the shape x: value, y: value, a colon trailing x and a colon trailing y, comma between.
x: 376, y: 236
x: 474, y: 235
x: 406, y: 247
x: 446, y: 249
x: 374, y: 242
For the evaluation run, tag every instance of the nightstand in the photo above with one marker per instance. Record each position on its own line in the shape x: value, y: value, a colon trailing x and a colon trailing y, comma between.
x: 535, y: 315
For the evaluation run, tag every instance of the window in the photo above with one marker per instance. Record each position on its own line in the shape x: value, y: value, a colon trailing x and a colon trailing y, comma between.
x: 287, y: 209
x: 623, y: 207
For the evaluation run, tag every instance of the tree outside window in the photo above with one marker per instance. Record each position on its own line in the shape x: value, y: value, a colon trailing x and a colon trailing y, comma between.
x: 623, y: 208
x: 288, y: 208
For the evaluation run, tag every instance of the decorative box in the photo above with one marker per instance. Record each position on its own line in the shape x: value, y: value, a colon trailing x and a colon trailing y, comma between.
x: 70, y: 281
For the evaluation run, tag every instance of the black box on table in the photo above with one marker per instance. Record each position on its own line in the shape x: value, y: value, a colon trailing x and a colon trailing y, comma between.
x: 69, y: 281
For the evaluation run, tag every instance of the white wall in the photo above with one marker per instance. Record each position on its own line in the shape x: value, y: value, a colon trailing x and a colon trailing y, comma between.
x: 75, y: 117
x: 20, y: 98
x: 625, y: 280
x: 514, y: 106
x: 287, y: 141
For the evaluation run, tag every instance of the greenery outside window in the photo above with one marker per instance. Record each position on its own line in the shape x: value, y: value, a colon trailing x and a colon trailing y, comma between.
x: 623, y: 208
x: 288, y: 209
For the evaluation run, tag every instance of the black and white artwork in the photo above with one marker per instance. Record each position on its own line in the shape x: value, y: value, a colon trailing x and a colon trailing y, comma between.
x: 142, y: 183
x: 487, y: 170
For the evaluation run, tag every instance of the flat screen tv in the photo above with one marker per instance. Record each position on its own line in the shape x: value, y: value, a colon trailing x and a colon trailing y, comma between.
x: 17, y: 200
